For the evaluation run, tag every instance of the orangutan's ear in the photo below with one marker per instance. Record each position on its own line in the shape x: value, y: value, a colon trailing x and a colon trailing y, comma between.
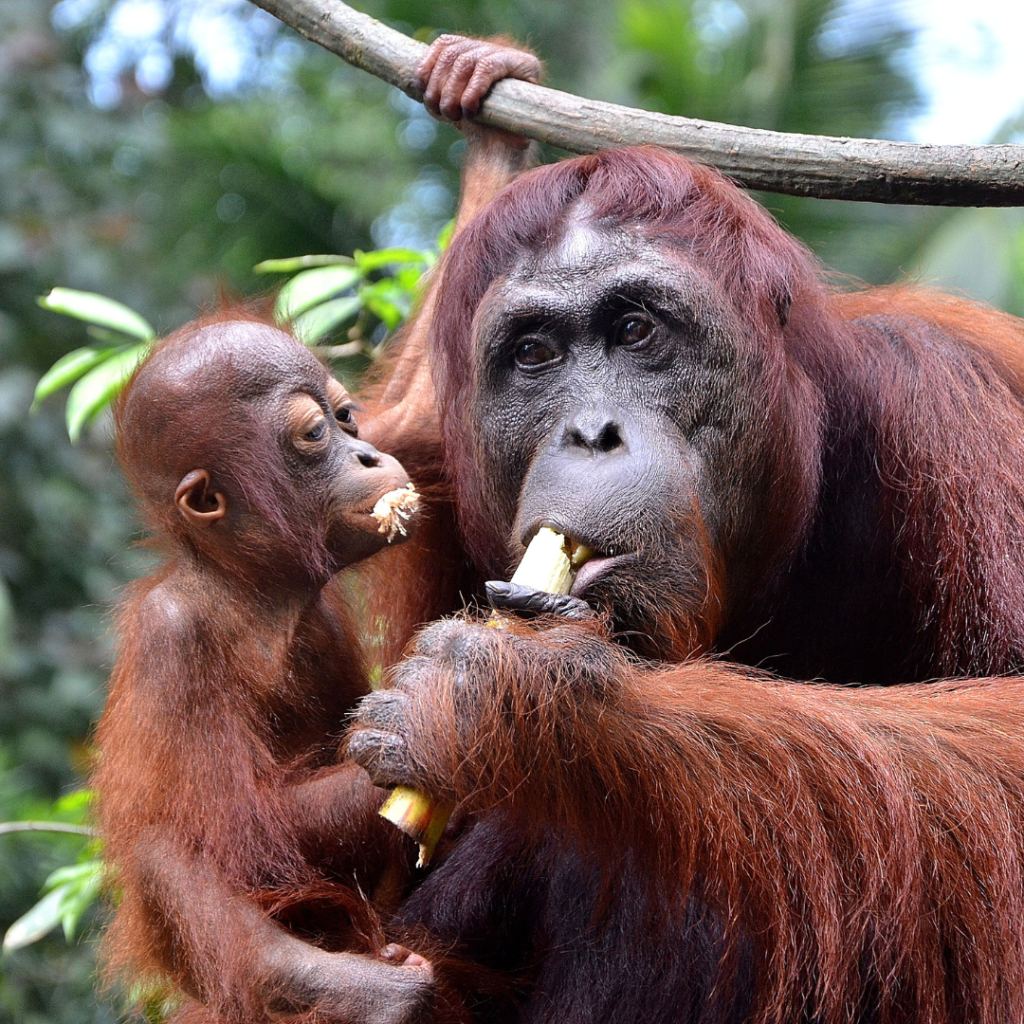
x: 197, y: 500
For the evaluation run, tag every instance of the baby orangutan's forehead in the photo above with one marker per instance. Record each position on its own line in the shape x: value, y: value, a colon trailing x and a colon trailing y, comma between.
x: 248, y: 359
x: 337, y: 393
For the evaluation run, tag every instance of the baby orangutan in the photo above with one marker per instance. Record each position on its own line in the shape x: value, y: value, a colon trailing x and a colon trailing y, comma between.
x: 226, y: 811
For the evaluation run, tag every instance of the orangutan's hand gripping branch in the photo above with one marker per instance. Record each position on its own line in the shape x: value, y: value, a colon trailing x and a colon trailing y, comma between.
x: 549, y: 565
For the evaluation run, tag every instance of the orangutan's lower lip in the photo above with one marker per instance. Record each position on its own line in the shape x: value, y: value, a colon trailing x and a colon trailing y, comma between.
x: 597, y: 568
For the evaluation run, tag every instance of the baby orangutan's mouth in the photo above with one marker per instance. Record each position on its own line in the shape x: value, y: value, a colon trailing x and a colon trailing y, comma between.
x: 393, y: 511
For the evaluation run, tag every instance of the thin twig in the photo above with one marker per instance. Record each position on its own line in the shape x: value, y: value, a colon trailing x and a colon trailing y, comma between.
x: 344, y: 351
x: 872, y: 170
x: 46, y: 826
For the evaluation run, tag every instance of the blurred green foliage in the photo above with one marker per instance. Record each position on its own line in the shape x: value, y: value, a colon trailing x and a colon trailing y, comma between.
x: 70, y: 890
x: 377, y: 290
x: 131, y: 167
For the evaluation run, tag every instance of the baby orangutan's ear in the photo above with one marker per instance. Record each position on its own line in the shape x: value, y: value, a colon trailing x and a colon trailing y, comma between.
x: 197, y: 501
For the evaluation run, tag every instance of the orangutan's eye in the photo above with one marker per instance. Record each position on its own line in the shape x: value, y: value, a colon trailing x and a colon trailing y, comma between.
x: 341, y: 405
x: 633, y: 331
x: 534, y: 352
x: 307, y: 424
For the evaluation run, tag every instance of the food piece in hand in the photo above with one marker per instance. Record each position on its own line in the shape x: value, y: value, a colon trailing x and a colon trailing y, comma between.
x: 550, y: 564
x: 419, y: 816
x: 393, y: 510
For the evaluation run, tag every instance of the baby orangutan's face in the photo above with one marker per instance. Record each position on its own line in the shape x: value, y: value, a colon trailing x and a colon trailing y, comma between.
x: 348, y: 477
x: 261, y: 444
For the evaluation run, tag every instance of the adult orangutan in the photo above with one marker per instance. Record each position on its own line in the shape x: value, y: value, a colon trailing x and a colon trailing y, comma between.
x: 629, y: 349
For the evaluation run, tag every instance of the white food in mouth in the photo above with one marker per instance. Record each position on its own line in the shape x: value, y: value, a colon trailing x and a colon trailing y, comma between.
x: 394, y: 509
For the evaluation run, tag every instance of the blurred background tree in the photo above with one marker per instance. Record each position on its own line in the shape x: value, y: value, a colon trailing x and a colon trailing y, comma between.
x: 155, y: 150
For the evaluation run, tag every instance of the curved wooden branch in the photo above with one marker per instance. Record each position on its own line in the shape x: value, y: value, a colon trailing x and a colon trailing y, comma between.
x: 804, y: 165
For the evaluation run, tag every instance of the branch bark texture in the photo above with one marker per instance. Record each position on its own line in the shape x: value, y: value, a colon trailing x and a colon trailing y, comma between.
x: 825, y: 167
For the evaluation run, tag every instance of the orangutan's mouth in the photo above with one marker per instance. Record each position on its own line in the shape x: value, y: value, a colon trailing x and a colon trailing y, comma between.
x: 597, y: 568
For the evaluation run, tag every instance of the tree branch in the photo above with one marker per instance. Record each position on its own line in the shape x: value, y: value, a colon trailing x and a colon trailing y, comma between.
x: 7, y: 827
x: 803, y: 165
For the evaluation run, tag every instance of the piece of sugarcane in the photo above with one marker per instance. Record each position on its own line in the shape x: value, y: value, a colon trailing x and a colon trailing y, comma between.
x: 393, y: 510
x: 550, y: 564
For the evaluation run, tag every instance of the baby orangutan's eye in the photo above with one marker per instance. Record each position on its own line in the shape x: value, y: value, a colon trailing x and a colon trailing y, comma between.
x: 307, y: 424
x: 343, y: 414
x: 339, y: 401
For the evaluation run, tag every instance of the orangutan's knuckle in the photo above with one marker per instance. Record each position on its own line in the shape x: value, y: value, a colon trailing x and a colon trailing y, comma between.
x: 382, y: 708
x: 459, y: 683
x: 410, y: 675
x: 385, y: 756
x: 434, y: 640
x: 566, y: 640
x: 599, y: 662
x: 369, y: 747
x: 598, y: 674
x: 518, y: 654
x: 392, y: 754
x: 453, y: 641
x: 579, y: 657
x: 471, y: 645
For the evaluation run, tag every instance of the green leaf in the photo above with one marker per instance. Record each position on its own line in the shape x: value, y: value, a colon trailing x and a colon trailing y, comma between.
x: 75, y: 803
x: 445, y: 237
x: 79, y: 897
x: 386, y: 310
x: 152, y: 1001
x: 98, y: 309
x: 293, y: 263
x: 71, y: 875
x: 106, y: 335
x: 38, y: 922
x: 312, y: 287
x: 311, y: 326
x: 96, y: 389
x: 379, y: 258
x: 387, y: 300
x: 70, y: 891
x: 408, y: 279
x: 68, y: 369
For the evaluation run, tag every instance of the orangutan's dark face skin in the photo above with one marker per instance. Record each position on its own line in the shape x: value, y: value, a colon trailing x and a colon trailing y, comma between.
x: 607, y: 377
